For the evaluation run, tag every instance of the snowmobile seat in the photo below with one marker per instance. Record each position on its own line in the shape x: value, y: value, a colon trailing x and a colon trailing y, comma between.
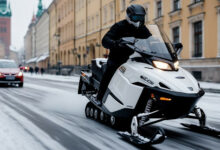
x: 99, y: 66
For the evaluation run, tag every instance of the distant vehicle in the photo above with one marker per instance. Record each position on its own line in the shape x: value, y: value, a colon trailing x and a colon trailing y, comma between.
x: 10, y: 73
x: 24, y: 68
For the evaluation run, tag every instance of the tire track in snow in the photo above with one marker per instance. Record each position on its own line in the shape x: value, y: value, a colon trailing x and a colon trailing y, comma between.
x: 56, y: 132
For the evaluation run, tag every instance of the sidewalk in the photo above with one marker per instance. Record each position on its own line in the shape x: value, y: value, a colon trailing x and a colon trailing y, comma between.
x: 53, y: 77
x: 207, y: 86
x: 210, y: 87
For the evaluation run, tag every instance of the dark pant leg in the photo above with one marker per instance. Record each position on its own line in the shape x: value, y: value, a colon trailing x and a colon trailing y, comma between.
x: 110, y: 70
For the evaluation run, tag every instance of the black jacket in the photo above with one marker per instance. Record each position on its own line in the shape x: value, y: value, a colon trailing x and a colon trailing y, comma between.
x: 117, y: 31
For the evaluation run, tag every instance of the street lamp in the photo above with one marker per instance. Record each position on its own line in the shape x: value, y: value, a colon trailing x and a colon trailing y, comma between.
x: 59, y: 62
x: 74, y: 51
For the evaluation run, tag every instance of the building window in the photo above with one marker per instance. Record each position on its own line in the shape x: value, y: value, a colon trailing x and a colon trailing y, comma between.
x: 105, y: 15
x: 93, y: 23
x: 97, y: 20
x: 146, y: 10
x: 159, y: 8
x: 123, y: 5
x: 3, y: 29
x: 176, y: 35
x: 197, y: 1
x: 112, y: 11
x: 176, y: 5
x: 197, y: 39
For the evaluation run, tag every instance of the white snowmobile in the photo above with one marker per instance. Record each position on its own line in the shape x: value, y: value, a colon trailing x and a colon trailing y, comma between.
x: 150, y: 85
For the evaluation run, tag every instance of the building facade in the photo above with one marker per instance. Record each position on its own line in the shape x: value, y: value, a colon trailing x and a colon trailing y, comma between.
x: 28, y: 44
x: 53, y: 43
x: 2, y: 51
x: 65, y: 31
x: 42, y: 40
x: 5, y: 26
x: 36, y: 40
x: 14, y: 56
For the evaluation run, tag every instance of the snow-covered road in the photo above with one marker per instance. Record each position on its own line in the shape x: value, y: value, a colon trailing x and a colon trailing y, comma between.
x: 49, y: 115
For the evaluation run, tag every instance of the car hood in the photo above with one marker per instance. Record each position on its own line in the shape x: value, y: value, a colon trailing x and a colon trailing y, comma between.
x: 9, y: 70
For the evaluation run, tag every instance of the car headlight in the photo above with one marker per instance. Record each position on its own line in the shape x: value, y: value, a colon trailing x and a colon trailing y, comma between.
x: 1, y: 74
x: 176, y: 65
x: 20, y: 74
x: 162, y: 65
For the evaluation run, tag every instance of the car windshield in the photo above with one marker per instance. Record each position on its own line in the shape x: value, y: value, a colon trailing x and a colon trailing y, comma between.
x: 8, y: 65
x: 157, y: 45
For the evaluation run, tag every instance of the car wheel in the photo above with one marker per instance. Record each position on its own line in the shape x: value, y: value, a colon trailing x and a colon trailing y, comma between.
x: 20, y: 84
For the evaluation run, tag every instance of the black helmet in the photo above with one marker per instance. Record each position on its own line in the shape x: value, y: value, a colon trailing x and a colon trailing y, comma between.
x: 136, y: 15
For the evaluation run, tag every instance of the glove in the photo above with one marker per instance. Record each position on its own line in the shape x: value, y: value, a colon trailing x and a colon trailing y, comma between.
x: 121, y: 44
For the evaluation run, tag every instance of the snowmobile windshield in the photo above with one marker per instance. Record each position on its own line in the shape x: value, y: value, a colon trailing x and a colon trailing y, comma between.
x: 157, y: 45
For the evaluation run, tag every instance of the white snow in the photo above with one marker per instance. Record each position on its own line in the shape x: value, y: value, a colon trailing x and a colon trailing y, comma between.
x: 18, y: 133
x: 60, y: 100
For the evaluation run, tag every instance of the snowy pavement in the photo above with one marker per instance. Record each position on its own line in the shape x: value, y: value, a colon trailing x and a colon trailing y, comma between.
x: 208, y: 86
x: 53, y: 77
x: 48, y: 114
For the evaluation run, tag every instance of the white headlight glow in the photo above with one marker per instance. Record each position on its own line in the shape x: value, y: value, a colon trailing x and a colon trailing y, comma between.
x: 162, y: 65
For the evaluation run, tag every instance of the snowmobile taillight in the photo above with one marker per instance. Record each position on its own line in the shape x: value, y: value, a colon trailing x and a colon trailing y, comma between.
x: 152, y: 95
x: 165, y: 99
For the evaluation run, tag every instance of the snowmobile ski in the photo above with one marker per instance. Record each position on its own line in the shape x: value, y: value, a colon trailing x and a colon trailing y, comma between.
x: 137, y: 139
x: 205, y: 130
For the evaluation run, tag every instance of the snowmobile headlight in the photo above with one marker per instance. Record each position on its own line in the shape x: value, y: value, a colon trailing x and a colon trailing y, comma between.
x: 162, y: 65
x: 176, y: 65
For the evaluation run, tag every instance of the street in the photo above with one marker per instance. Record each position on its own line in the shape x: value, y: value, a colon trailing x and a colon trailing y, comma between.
x: 49, y: 115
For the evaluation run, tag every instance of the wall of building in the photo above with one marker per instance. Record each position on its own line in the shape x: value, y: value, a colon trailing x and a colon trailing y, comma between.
x: 5, y: 33
x: 53, y: 44
x: 14, y: 56
x: 65, y: 31
x: 42, y: 35
x: 28, y: 45
x: 2, y: 51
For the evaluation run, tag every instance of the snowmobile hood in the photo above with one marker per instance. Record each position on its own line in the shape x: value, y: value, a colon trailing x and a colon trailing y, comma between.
x: 178, y: 81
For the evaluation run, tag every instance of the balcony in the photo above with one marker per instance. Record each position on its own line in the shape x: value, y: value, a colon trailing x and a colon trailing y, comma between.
x: 175, y: 12
x: 196, y: 4
x: 159, y: 20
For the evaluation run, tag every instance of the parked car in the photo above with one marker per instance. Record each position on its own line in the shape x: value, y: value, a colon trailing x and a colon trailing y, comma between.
x: 10, y: 73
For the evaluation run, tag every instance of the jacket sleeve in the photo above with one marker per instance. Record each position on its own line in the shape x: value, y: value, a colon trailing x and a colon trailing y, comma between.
x: 146, y: 32
x: 109, y: 40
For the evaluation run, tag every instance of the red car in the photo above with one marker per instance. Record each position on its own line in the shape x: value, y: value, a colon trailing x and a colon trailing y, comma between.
x: 25, y: 69
x: 10, y: 73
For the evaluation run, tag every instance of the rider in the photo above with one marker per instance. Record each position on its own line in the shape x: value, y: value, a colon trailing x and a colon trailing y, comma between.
x: 132, y: 26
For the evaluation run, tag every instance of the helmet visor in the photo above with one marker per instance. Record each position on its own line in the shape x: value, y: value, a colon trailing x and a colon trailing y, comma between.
x: 137, y: 18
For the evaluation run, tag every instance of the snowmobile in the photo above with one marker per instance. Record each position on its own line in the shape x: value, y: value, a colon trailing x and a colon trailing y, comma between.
x: 149, y: 88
